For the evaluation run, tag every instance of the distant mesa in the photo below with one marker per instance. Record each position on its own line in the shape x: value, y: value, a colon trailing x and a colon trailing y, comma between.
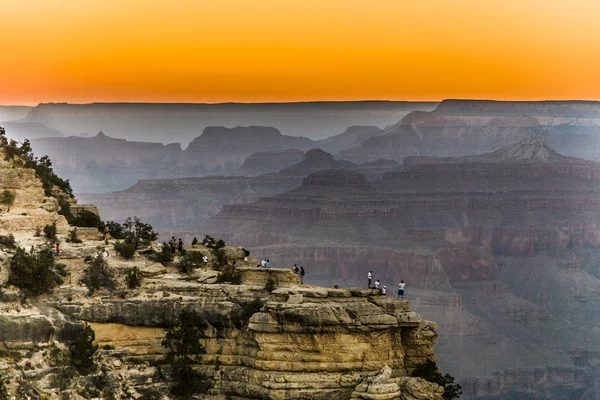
x: 269, y: 161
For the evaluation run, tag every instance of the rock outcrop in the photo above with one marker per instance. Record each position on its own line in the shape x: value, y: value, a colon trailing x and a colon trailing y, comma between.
x: 460, y: 128
x: 290, y: 341
x: 501, y: 249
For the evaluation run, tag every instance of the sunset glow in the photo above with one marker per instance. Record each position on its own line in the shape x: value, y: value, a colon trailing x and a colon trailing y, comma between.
x: 296, y: 50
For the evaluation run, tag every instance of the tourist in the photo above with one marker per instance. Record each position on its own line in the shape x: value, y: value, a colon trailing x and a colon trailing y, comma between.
x: 302, y: 275
x: 263, y: 263
x: 57, y: 249
x: 296, y: 270
x: 180, y: 246
x: 377, y: 284
x: 268, y: 263
x: 106, y: 234
x: 401, y: 289
x: 370, y: 277
x: 172, y: 243
x: 384, y: 290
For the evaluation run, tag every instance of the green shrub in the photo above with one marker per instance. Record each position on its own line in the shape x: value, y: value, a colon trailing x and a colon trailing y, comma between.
x: 50, y: 231
x: 208, y: 241
x: 133, y: 278
x: 116, y: 230
x: 229, y: 274
x: 23, y: 154
x: 189, y: 261
x: 73, y: 237
x: 7, y: 198
x: 8, y: 241
x: 34, y: 271
x: 138, y: 233
x: 430, y: 372
x: 61, y: 269
x: 165, y: 256
x: 98, y: 275
x: 125, y: 250
x: 182, y: 340
x: 4, y: 381
x: 82, y: 351
x: 270, y: 285
x: 86, y: 219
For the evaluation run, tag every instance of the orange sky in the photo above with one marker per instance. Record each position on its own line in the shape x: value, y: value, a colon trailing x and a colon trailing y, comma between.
x: 295, y: 50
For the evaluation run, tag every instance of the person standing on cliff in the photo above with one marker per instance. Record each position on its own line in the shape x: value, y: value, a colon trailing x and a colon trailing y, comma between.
x: 180, y: 247
x: 106, y: 234
x: 401, y: 286
x: 296, y: 269
x: 370, y: 277
x: 172, y: 243
x: 384, y: 290
x: 377, y: 284
x: 57, y: 249
x: 302, y: 273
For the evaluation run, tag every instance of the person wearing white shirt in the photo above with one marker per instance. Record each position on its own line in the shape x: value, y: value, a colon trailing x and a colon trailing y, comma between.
x: 377, y: 284
x: 370, y: 277
x: 263, y: 263
x: 384, y: 290
x: 401, y: 289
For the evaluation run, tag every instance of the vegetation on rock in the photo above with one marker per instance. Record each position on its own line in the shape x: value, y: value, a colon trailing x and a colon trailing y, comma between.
x: 182, y: 340
x: 133, y: 278
x: 430, y: 372
x: 8, y: 198
x: 230, y: 275
x: 82, y: 351
x: 86, y: 219
x: 50, y: 231
x: 189, y: 261
x: 34, y: 271
x: 98, y: 275
x: 73, y: 237
x: 3, y: 389
x: 270, y: 285
x: 216, y: 247
x: 164, y: 256
x: 8, y: 241
x: 125, y: 250
x: 23, y: 153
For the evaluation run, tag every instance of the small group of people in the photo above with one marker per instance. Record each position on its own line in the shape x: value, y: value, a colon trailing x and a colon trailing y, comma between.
x: 383, y: 289
x: 265, y: 263
x: 300, y: 272
x: 176, y: 245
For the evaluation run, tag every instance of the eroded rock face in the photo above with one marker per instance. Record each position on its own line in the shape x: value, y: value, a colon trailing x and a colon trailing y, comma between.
x: 482, y: 242
x: 460, y: 128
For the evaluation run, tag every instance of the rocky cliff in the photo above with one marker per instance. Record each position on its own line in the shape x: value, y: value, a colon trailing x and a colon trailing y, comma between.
x: 290, y: 342
x: 184, y: 205
x: 458, y: 128
x: 500, y: 248
x: 183, y: 122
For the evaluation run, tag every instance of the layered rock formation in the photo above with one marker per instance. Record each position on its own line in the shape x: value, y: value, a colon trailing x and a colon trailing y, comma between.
x: 182, y: 122
x: 293, y: 342
x: 269, y: 161
x: 501, y: 249
x: 184, y: 205
x: 352, y: 137
x: 457, y: 128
